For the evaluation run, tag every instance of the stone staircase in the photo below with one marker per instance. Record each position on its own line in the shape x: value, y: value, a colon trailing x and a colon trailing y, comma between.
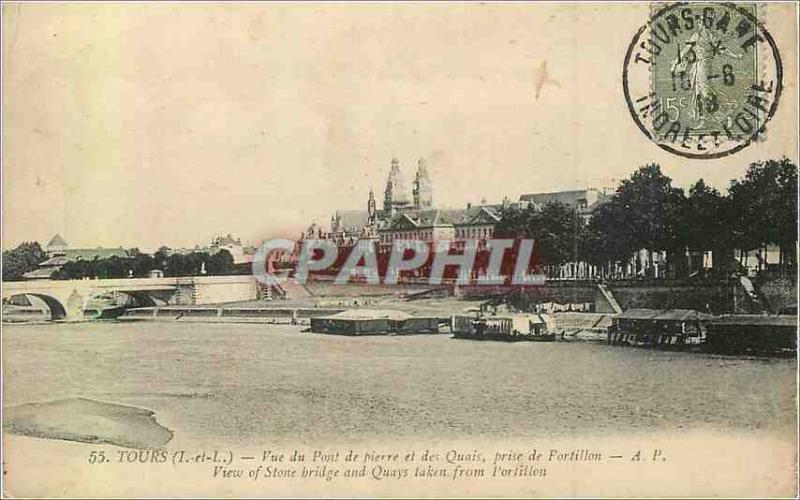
x: 758, y: 300
x: 288, y: 289
x: 293, y: 290
x: 609, y: 298
x: 186, y: 292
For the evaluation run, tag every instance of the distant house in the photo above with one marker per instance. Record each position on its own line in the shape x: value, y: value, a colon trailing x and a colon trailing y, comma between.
x: 471, y: 223
x: 43, y: 272
x: 242, y: 254
x: 59, y: 254
x: 585, y: 201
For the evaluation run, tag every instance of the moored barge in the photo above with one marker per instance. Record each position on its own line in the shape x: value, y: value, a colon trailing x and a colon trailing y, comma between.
x: 374, y: 322
x: 508, y: 327
x: 690, y: 329
x: 658, y: 327
x: 752, y: 333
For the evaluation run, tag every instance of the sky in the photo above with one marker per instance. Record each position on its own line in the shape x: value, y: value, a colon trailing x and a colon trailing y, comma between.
x: 135, y: 124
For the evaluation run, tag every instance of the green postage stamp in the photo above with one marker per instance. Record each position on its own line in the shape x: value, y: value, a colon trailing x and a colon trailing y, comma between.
x: 702, y: 80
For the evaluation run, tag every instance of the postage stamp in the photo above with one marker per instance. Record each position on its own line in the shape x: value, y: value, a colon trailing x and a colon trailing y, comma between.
x: 702, y: 80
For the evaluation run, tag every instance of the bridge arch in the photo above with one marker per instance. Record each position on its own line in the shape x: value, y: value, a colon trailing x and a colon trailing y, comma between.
x: 57, y: 309
x: 140, y: 299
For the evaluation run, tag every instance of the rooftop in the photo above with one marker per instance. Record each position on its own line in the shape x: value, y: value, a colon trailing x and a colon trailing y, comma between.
x: 756, y: 320
x: 584, y: 198
x: 370, y: 314
x: 639, y: 313
x: 56, y: 242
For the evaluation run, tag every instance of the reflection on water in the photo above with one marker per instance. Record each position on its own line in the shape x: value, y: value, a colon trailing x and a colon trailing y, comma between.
x: 245, y: 383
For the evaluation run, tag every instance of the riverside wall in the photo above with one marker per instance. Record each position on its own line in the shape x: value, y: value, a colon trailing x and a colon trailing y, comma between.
x: 714, y: 296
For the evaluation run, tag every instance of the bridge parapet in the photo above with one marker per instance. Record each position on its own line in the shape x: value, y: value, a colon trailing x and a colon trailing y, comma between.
x: 73, y: 295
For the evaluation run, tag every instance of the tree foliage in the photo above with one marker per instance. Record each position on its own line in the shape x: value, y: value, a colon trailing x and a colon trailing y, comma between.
x: 139, y: 265
x: 557, y: 229
x: 706, y: 218
x: 651, y: 210
x: 648, y: 213
x: 645, y: 213
x: 763, y: 207
x: 24, y: 258
x: 607, y: 238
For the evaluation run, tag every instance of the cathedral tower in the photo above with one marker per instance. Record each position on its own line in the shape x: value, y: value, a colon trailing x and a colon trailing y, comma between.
x: 423, y: 189
x: 371, y: 208
x: 395, y: 195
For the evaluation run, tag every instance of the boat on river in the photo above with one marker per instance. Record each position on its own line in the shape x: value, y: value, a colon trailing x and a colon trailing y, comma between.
x: 509, y: 327
x: 104, y: 306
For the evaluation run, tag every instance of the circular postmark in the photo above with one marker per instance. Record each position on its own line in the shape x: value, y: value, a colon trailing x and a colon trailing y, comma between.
x: 702, y: 80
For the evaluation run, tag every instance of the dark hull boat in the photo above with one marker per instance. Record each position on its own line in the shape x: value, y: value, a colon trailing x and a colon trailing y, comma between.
x: 103, y: 306
x: 507, y: 328
x: 110, y: 312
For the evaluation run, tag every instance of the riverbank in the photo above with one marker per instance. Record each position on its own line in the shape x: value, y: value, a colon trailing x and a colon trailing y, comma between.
x: 297, y: 311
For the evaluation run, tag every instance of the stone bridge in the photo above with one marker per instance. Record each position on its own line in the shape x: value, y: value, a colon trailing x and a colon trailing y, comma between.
x: 68, y: 298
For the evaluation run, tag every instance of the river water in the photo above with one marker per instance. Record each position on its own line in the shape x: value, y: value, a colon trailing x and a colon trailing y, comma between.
x: 240, y: 383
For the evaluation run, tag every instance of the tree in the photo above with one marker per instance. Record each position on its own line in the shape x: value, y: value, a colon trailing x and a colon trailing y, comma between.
x: 764, y: 208
x: 646, y: 212
x: 24, y: 258
x: 786, y: 212
x: 704, y: 221
x: 607, y: 239
x: 557, y: 229
x: 706, y: 224
x: 560, y: 231
x: 513, y: 223
x: 76, y: 270
x: 652, y: 209
x: 160, y: 257
x: 221, y: 263
x: 141, y: 264
x: 112, y: 267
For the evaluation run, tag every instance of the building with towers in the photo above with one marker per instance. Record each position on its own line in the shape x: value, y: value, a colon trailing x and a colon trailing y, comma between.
x: 415, y: 217
x: 400, y: 217
x: 404, y: 217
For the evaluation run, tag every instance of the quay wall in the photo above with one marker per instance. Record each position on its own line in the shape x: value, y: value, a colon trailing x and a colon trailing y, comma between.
x: 710, y: 297
x: 714, y: 296
x: 781, y: 292
x: 221, y: 289
x: 224, y: 314
x: 319, y: 288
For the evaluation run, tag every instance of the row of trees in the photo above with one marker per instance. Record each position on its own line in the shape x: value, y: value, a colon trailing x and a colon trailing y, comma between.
x: 27, y: 256
x: 139, y: 265
x: 648, y: 213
